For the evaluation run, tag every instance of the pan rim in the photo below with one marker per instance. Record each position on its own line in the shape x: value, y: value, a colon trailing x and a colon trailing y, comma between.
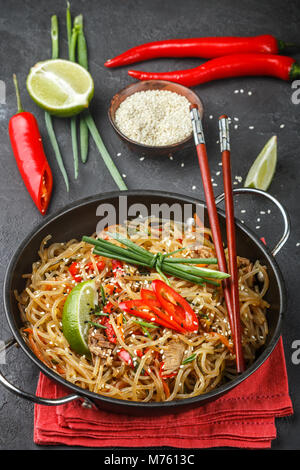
x: 213, y: 394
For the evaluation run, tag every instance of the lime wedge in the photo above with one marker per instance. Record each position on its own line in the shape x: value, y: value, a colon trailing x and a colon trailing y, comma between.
x: 76, y: 315
x: 262, y: 171
x: 61, y: 87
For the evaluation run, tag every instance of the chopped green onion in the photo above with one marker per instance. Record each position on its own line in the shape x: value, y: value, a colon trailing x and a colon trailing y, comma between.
x: 189, y: 359
x: 145, y: 324
x: 97, y: 325
x: 103, y: 295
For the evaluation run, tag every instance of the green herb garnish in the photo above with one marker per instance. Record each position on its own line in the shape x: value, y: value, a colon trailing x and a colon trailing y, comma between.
x: 189, y: 359
x: 134, y: 254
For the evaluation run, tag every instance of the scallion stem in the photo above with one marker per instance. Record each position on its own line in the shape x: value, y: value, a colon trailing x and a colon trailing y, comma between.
x: 82, y: 58
x: 137, y: 255
x: 48, y: 117
x: 104, y: 153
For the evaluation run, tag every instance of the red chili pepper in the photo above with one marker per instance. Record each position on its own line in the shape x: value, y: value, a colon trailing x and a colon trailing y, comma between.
x: 74, y: 271
x: 109, y: 331
x: 237, y: 65
x: 108, y: 308
x: 29, y: 153
x: 117, y: 266
x: 207, y: 48
x: 148, y: 294
x: 148, y: 310
x: 176, y: 306
x: 100, y: 266
x: 125, y: 356
x: 139, y: 353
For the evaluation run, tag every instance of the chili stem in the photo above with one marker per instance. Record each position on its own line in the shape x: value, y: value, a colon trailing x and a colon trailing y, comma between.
x: 19, y: 104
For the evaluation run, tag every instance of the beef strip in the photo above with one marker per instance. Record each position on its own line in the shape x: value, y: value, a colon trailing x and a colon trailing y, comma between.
x: 98, y: 344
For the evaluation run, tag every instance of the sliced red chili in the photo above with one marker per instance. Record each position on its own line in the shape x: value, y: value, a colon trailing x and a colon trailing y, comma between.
x: 117, y: 266
x: 176, y: 306
x: 100, y: 266
x: 108, y: 308
x: 148, y: 294
x: 74, y: 271
x: 109, y: 331
x: 125, y: 356
x: 148, y: 310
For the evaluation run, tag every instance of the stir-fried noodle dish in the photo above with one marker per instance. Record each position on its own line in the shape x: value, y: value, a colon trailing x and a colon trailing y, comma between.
x: 147, y: 335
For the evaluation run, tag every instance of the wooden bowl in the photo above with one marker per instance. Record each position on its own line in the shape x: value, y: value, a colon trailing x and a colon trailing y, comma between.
x: 119, y: 97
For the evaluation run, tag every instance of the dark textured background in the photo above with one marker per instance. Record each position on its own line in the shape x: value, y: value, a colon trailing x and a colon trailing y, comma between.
x: 111, y: 27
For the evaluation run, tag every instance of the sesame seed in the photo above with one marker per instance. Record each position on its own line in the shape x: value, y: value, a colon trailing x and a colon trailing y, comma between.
x: 251, y: 127
x: 282, y: 126
x: 257, y: 227
x: 193, y: 188
x: 249, y: 93
x: 243, y: 211
x: 241, y: 90
x: 182, y: 165
x: 236, y: 91
x: 211, y: 116
x: 119, y: 154
x: 142, y: 158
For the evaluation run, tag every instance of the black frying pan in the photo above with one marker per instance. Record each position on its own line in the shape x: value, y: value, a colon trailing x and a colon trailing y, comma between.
x: 80, y: 218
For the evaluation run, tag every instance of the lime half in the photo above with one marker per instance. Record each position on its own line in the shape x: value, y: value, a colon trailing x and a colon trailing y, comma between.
x: 262, y: 171
x: 61, y: 87
x: 76, y: 315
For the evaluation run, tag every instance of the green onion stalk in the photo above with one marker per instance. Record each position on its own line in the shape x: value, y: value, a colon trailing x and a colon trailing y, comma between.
x: 163, y: 263
x: 87, y: 123
x: 48, y: 117
x: 72, y: 34
x: 82, y: 58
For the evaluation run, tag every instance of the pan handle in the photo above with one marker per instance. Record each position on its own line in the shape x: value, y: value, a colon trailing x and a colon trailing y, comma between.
x: 284, y: 213
x: 29, y: 396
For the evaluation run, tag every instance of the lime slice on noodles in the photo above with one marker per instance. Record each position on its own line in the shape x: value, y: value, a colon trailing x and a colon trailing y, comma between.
x: 61, y: 87
x: 262, y: 171
x: 76, y: 315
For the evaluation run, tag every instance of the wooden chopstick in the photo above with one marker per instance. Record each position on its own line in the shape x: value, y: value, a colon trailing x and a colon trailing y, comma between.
x: 231, y: 241
x: 212, y: 210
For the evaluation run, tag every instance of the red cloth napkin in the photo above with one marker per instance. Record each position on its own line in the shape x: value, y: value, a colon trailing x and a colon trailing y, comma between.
x: 244, y: 417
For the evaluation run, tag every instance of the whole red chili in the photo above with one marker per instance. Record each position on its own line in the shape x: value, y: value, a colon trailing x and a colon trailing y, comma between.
x: 236, y: 65
x: 29, y: 153
x: 207, y: 48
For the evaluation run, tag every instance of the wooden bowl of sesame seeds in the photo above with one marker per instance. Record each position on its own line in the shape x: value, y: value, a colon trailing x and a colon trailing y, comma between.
x: 153, y: 118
